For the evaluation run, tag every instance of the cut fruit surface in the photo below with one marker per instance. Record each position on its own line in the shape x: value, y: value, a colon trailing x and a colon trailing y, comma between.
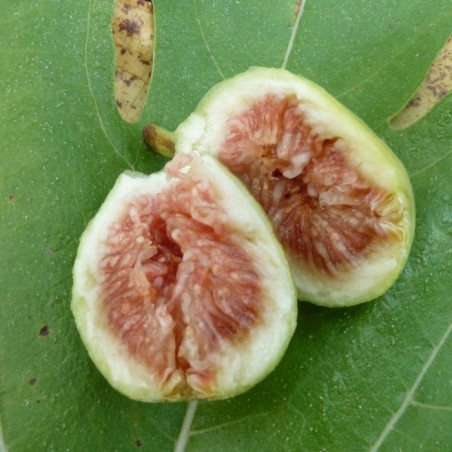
x: 339, y: 199
x: 181, y: 290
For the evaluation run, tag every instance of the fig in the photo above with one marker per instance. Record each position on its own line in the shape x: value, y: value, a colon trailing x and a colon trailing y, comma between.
x: 180, y: 288
x: 339, y: 199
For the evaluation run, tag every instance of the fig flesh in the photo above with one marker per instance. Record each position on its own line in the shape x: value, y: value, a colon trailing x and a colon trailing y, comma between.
x: 339, y: 199
x: 181, y: 290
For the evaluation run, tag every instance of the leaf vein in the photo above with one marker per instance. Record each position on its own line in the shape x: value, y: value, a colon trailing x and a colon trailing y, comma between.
x: 431, y: 165
x: 429, y: 406
x: 293, y: 35
x: 235, y: 421
x: 408, y: 400
x: 91, y: 91
x: 203, y: 36
x: 3, y: 447
x: 185, y: 431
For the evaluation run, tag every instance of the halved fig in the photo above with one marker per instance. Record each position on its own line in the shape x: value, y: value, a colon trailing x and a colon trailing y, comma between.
x: 181, y: 290
x: 339, y: 199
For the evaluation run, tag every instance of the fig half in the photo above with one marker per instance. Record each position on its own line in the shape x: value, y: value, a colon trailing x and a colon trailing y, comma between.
x: 339, y: 199
x: 181, y: 290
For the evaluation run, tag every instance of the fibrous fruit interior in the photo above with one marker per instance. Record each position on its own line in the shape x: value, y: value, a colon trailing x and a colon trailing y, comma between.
x: 324, y: 211
x: 179, y: 290
x: 175, y: 285
x: 338, y: 198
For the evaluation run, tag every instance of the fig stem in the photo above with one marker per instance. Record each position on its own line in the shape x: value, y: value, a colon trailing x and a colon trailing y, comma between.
x: 159, y: 140
x: 184, y: 433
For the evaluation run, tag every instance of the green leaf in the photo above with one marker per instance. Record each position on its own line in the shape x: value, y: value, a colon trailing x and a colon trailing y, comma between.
x: 373, y: 375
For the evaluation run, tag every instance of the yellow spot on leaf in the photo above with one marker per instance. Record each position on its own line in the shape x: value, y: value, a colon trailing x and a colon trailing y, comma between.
x: 133, y: 34
x: 436, y: 85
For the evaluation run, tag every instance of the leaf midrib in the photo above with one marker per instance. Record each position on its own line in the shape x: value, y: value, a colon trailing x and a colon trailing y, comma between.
x: 409, y: 396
